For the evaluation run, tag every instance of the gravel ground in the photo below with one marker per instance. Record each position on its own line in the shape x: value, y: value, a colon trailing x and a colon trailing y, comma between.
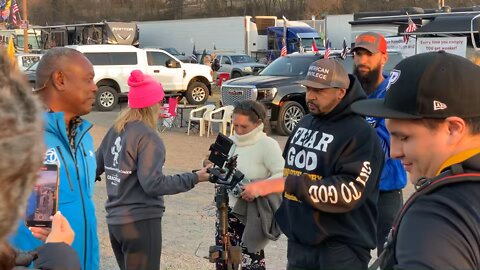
x: 188, y: 223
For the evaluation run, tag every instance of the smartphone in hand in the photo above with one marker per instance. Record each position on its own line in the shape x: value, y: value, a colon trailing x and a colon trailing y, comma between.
x: 43, y: 202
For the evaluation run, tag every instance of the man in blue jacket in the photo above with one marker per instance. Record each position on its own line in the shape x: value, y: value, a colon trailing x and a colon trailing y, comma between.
x: 65, y: 85
x: 369, y: 56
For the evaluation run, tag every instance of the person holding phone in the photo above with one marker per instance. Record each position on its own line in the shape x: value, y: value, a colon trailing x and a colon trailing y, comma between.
x: 21, y: 153
x: 132, y: 156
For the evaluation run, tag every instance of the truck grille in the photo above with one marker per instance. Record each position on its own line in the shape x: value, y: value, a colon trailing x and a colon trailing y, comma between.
x: 234, y: 93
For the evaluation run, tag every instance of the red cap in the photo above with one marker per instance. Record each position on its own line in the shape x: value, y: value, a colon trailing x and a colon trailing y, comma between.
x: 371, y: 42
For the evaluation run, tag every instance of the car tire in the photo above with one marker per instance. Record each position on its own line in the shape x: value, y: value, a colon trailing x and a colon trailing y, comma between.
x: 288, y: 117
x: 236, y: 74
x: 106, y: 98
x: 197, y: 93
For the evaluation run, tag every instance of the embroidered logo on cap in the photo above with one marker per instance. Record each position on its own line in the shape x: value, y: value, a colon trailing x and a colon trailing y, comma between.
x: 437, y: 105
x: 394, y: 76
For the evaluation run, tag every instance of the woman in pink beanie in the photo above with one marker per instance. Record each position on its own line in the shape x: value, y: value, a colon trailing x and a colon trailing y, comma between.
x: 132, y: 156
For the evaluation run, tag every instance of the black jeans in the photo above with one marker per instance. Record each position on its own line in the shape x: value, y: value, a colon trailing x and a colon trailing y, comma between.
x: 137, y: 245
x: 330, y: 255
x: 389, y: 203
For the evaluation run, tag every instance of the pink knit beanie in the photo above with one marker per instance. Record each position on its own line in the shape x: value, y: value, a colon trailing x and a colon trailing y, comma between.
x: 144, y: 92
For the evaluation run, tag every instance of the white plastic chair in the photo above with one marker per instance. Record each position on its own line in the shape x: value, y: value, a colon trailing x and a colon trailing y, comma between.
x: 226, y: 119
x: 203, y: 111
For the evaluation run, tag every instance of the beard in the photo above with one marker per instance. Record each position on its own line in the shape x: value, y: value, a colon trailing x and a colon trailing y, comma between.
x: 369, y: 79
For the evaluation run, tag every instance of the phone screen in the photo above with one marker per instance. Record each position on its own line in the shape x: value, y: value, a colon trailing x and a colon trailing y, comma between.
x: 42, y: 203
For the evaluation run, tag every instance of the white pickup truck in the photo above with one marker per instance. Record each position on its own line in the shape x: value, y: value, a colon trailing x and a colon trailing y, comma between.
x: 113, y: 63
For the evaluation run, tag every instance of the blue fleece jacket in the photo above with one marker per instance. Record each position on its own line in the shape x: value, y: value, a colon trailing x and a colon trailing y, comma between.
x: 77, y: 178
x: 393, y: 175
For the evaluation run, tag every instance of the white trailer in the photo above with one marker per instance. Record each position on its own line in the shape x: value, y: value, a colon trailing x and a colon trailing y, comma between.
x: 231, y: 34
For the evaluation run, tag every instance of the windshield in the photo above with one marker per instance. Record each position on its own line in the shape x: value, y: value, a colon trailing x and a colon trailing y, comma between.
x: 172, y: 51
x: 32, y: 42
x: 289, y: 66
x: 242, y: 59
x: 307, y: 42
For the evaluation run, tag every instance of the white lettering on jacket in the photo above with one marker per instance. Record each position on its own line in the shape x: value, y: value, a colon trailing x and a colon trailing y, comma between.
x: 348, y: 191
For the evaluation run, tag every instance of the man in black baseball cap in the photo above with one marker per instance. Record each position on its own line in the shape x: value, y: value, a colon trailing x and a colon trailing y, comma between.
x: 333, y: 162
x: 433, y: 116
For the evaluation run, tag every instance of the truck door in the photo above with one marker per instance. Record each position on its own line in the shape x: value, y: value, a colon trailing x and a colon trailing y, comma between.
x: 165, y: 69
x: 225, y: 64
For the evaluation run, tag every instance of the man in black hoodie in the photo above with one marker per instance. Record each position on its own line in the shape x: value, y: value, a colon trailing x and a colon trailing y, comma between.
x: 333, y: 162
x: 433, y: 116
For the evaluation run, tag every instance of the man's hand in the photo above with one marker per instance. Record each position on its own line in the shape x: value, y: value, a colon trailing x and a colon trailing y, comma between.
x: 251, y: 191
x: 262, y: 188
x: 61, y: 230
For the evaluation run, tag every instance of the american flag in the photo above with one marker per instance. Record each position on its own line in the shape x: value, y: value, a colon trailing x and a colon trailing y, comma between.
x: 194, y: 55
x: 327, y: 49
x: 283, y: 52
x: 344, y: 52
x: 314, y: 47
x: 410, y: 28
x: 15, y: 10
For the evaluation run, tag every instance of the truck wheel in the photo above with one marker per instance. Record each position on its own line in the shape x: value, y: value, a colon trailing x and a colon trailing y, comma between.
x: 236, y: 74
x: 106, y: 98
x: 290, y: 114
x: 197, y: 93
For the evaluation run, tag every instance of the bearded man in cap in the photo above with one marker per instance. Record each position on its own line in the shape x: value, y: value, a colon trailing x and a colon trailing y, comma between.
x: 433, y: 117
x: 333, y: 162
x: 369, y: 56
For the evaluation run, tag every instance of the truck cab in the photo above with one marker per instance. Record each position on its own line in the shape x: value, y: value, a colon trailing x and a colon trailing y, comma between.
x: 298, y: 38
x: 114, y: 63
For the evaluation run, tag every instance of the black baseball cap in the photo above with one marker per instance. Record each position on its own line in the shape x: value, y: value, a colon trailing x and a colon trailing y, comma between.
x: 326, y: 73
x: 428, y: 85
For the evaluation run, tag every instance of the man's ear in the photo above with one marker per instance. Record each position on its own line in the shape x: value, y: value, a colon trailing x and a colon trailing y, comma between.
x: 58, y: 80
x: 384, y: 59
x: 456, y: 128
x: 341, y: 93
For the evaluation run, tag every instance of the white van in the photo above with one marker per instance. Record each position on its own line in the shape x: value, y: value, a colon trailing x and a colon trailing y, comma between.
x: 113, y: 63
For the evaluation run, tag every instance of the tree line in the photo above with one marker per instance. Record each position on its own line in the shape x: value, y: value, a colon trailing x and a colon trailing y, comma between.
x: 50, y: 12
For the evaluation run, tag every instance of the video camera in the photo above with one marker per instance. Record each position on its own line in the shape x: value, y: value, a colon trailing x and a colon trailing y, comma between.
x: 226, y: 176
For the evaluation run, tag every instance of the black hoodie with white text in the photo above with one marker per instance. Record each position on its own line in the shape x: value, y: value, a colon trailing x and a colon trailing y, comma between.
x: 332, y: 166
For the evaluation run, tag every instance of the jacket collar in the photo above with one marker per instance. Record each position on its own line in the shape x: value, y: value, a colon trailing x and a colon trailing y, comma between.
x: 55, y: 123
x: 458, y: 158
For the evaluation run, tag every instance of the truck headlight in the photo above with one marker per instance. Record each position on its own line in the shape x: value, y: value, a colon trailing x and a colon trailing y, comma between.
x: 247, y: 69
x: 267, y: 93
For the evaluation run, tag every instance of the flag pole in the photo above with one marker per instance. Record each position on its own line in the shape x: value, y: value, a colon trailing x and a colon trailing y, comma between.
x: 284, y: 37
x: 25, y: 30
